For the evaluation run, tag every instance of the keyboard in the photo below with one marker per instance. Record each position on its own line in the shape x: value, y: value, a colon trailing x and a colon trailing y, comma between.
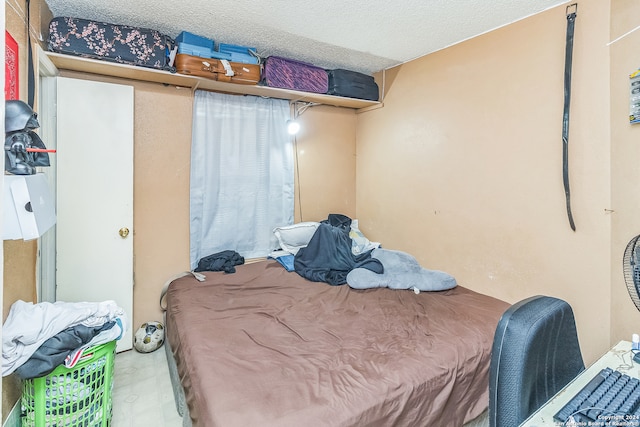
x: 610, y: 398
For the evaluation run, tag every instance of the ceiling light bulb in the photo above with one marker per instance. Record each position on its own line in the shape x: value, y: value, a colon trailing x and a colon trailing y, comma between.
x: 293, y: 127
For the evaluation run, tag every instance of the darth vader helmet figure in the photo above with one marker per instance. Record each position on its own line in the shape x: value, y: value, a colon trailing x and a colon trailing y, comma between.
x: 19, y: 116
x: 23, y: 148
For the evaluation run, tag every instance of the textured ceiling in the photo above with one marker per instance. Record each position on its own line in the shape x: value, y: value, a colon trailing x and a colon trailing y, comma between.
x: 360, y: 35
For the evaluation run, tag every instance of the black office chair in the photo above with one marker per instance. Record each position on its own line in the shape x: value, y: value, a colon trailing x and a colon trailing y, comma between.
x: 535, y: 353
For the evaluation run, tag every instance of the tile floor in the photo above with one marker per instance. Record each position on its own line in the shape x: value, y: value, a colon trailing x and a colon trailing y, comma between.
x: 142, y: 393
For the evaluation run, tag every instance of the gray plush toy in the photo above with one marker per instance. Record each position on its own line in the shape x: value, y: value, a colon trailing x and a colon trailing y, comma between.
x: 401, y: 271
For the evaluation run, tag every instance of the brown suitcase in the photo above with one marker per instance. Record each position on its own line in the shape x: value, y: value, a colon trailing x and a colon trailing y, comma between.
x: 216, y: 69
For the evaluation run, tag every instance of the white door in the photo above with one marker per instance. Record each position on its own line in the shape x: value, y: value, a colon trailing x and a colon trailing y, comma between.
x: 94, y: 239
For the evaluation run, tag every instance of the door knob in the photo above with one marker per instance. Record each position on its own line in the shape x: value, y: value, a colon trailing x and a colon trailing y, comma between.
x: 124, y: 232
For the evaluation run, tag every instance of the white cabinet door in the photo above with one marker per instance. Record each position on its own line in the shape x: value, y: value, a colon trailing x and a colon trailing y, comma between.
x: 94, y: 241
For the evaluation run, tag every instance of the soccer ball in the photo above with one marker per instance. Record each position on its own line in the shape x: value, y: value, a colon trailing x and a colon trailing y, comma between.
x: 149, y: 337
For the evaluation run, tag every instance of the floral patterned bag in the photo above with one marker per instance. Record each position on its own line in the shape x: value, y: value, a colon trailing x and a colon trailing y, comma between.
x: 117, y: 43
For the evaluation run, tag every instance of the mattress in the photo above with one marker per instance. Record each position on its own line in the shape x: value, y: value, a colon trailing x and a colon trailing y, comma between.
x: 266, y: 347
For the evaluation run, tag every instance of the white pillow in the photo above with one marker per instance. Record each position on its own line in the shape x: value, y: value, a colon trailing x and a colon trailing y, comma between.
x: 359, y: 243
x: 296, y: 236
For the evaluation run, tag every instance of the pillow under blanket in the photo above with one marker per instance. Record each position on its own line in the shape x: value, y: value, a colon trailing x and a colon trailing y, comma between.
x: 401, y: 271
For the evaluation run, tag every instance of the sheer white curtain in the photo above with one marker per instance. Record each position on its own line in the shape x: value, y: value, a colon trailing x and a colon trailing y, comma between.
x: 241, y: 174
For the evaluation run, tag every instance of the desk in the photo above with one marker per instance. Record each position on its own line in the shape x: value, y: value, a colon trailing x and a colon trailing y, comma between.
x: 619, y: 357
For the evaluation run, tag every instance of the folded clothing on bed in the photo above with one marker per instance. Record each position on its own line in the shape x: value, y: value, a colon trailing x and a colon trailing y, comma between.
x: 401, y: 271
x: 284, y: 258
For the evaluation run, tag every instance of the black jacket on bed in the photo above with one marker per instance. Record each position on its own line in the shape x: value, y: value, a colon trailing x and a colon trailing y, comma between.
x: 220, y: 261
x: 328, y: 257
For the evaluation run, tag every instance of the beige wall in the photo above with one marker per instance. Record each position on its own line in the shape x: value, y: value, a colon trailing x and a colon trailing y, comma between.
x: 462, y: 165
x: 625, y: 158
x: 326, y: 160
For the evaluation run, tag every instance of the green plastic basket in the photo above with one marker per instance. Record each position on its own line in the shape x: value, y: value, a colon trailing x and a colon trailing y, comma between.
x: 72, y: 397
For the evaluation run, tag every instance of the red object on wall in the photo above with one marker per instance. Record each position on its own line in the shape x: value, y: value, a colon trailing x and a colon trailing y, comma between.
x: 11, y: 72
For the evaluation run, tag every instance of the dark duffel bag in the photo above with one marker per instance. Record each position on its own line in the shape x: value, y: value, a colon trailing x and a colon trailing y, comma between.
x: 295, y: 75
x: 117, y: 43
x: 352, y: 84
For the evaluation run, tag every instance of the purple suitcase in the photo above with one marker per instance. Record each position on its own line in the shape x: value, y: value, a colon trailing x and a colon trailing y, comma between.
x: 296, y: 75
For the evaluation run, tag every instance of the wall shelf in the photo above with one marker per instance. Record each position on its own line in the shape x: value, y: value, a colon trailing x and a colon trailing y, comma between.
x: 112, y: 69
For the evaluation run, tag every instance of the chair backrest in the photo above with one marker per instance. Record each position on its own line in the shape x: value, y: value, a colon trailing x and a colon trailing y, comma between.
x: 535, y: 354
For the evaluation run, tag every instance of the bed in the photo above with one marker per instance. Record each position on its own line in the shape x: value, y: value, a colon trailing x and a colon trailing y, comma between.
x: 267, y: 347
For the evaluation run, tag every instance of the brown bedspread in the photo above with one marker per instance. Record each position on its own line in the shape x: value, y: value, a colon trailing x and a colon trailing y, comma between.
x: 265, y: 347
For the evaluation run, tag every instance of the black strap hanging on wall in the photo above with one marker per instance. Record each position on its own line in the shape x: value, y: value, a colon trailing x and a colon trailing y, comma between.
x: 571, y: 20
x: 31, y: 84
